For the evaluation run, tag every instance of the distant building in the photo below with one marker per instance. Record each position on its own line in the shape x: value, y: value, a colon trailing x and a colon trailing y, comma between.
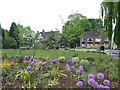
x: 92, y: 39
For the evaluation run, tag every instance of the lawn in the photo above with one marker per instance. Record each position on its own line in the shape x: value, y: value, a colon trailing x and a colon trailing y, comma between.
x: 58, y: 69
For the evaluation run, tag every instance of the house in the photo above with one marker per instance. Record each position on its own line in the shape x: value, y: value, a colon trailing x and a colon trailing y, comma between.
x: 92, y: 39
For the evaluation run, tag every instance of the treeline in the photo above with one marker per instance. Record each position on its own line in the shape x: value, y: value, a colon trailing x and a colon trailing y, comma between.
x: 17, y: 36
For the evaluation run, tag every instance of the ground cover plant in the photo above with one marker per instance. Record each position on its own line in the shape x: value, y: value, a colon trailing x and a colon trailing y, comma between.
x: 58, y: 69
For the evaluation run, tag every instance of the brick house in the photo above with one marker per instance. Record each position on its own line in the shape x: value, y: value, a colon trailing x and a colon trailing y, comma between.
x: 91, y: 39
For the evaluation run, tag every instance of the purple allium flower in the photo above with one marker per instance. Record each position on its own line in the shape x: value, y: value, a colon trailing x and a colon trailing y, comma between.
x: 32, y: 63
x: 36, y: 69
x: 100, y: 76
x: 49, y: 61
x: 106, y: 88
x: 55, y: 61
x: 34, y: 60
x: 95, y: 84
x: 29, y: 67
x: 70, y: 61
x: 91, y: 82
x: 68, y: 69
x: 78, y: 72
x: 67, y: 66
x: 90, y: 76
x: 106, y: 82
x: 72, y: 67
x: 50, y: 66
x: 26, y: 58
x: 100, y: 86
x: 79, y: 84
x: 81, y: 68
x: 29, y: 72
x: 40, y: 63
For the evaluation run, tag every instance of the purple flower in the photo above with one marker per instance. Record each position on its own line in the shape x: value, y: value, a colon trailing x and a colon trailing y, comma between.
x: 26, y: 58
x: 91, y: 82
x: 70, y: 61
x: 67, y: 66
x: 106, y: 88
x: 29, y: 67
x: 49, y: 61
x: 90, y: 76
x: 100, y: 86
x: 106, y: 82
x: 55, y: 61
x: 78, y: 72
x: 40, y: 63
x: 32, y: 63
x: 68, y: 69
x: 36, y: 69
x: 29, y: 72
x: 95, y: 84
x: 34, y: 60
x: 72, y: 67
x: 79, y: 84
x: 81, y: 68
x: 100, y: 76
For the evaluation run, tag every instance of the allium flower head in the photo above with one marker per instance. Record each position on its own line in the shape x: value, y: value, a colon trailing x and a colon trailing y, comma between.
x: 34, y: 60
x: 91, y: 82
x: 29, y: 72
x: 78, y: 72
x: 100, y: 76
x: 67, y: 66
x: 36, y: 69
x: 29, y: 67
x: 106, y: 88
x: 26, y: 58
x: 79, y: 84
x: 100, y: 86
x: 90, y: 76
x: 49, y: 61
x: 55, y: 61
x: 70, y: 61
x: 32, y: 63
x: 68, y: 69
x: 40, y: 63
x: 106, y: 82
x: 81, y: 68
x: 95, y: 84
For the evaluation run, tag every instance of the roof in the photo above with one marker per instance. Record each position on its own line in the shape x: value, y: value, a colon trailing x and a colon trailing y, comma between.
x: 49, y: 34
x: 91, y: 34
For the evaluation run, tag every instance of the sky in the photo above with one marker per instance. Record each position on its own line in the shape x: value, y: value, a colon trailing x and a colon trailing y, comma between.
x: 45, y: 14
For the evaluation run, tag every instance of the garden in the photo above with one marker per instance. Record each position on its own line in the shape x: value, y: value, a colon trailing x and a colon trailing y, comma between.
x: 58, y: 69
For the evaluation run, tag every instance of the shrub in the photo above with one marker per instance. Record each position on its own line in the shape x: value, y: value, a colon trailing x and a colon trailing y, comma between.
x: 85, y: 64
x: 62, y: 59
x: 76, y: 59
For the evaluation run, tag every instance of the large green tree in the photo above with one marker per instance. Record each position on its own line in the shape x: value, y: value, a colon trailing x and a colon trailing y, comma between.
x: 14, y: 33
x: 111, y: 14
x: 73, y: 29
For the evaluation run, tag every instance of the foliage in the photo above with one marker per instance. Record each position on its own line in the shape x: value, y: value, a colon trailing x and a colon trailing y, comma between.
x: 14, y: 33
x: 5, y: 65
x: 110, y: 12
x: 62, y: 59
x: 85, y: 64
x: 73, y: 29
x: 9, y: 42
x: 76, y: 59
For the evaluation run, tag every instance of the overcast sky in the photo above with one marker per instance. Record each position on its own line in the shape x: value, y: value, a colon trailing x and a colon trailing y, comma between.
x: 45, y: 14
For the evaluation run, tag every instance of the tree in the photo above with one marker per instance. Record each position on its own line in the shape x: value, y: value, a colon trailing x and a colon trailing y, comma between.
x: 96, y: 24
x: 73, y: 29
x: 14, y: 33
x: 110, y: 12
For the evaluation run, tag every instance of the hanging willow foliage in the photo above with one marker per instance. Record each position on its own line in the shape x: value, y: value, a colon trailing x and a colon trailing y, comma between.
x: 110, y: 11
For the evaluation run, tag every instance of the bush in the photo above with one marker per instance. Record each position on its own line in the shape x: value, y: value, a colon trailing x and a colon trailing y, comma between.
x: 62, y: 59
x: 76, y: 59
x: 85, y: 64
x: 9, y: 42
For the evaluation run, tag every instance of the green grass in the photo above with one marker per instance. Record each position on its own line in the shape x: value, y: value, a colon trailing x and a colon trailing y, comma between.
x: 52, y: 54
